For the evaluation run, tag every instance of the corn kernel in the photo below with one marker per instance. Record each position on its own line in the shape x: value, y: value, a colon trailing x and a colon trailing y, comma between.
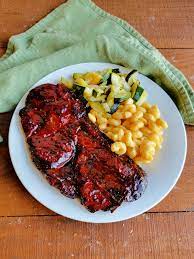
x: 125, y: 107
x: 92, y: 117
x: 114, y: 122
x: 121, y: 107
x: 139, y: 160
x: 101, y: 120
x: 154, y: 137
x: 128, y: 101
x: 149, y: 116
x: 127, y: 115
x: 149, y: 143
x: 131, y: 108
x: 146, y: 131
x: 148, y: 156
x: 142, y: 109
x: 128, y: 139
x: 155, y: 111
x: 131, y: 152
x: 117, y: 115
x: 92, y: 111
x: 102, y: 126
x: 136, y: 125
x: 137, y: 134
x: 109, y: 129
x: 119, y: 131
x: 119, y: 148
x: 114, y: 147
x: 144, y: 121
x: 153, y: 127
x: 147, y: 149
x: 112, y: 136
x: 115, y: 137
x: 137, y: 115
x: 109, y: 134
x: 146, y: 105
x: 162, y: 123
x: 137, y: 142
x: 126, y: 123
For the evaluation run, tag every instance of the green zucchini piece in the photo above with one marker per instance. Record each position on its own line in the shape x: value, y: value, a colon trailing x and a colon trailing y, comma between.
x: 142, y: 98
x: 123, y: 95
x: 115, y: 70
x: 106, y: 107
x: 107, y: 90
x: 140, y: 95
x: 100, y: 98
x: 130, y: 74
x: 117, y: 102
x: 97, y: 107
x: 133, y: 88
x: 94, y: 93
x: 125, y: 84
x: 87, y: 93
x: 106, y: 75
x: 103, y: 84
x: 116, y: 83
x: 117, y: 87
x: 77, y: 75
x: 131, y: 77
x: 81, y: 82
x: 110, y: 99
x: 108, y: 82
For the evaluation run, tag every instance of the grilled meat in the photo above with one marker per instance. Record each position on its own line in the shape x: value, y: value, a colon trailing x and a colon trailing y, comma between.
x: 73, y: 154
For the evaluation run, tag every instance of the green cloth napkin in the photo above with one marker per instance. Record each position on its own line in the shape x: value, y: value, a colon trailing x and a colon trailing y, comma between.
x: 79, y: 31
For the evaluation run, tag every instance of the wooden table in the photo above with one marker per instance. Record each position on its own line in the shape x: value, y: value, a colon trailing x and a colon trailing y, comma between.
x: 29, y: 230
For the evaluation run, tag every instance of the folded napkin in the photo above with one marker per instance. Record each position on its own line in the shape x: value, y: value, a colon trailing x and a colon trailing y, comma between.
x: 79, y: 31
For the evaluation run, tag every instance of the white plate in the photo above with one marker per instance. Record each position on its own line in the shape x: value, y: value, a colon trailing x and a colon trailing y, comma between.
x: 163, y: 172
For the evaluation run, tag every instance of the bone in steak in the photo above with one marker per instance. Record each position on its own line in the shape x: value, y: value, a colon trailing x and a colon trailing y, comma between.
x: 73, y: 154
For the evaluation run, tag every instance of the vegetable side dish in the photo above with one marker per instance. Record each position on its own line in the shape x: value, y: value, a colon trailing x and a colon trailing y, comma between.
x: 119, y: 108
x: 72, y: 153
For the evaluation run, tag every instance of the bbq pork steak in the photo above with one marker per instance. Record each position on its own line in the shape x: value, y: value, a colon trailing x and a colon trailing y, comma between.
x: 73, y: 154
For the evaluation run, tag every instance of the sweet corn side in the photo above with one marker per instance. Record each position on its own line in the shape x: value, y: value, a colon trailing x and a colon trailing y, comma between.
x: 136, y: 130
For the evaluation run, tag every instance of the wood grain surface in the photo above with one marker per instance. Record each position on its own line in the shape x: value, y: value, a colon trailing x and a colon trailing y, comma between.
x: 29, y: 230
x: 57, y: 237
x: 167, y: 24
